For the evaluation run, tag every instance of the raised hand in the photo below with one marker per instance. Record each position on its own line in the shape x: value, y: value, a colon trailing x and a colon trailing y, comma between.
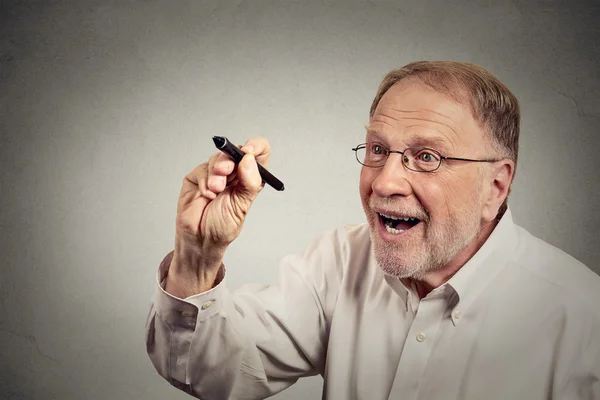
x: 213, y: 203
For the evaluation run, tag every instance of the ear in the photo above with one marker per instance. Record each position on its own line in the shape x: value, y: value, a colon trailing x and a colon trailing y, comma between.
x: 499, y: 180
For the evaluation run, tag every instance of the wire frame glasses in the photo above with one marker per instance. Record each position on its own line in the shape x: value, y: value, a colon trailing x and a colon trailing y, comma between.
x: 418, y: 159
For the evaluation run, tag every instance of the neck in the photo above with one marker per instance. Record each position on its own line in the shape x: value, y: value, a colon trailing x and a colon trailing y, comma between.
x: 442, y: 275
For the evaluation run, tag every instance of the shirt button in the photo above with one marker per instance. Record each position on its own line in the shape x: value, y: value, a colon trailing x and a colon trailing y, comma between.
x: 187, y: 313
x: 457, y: 314
x: 207, y: 305
x: 420, y: 337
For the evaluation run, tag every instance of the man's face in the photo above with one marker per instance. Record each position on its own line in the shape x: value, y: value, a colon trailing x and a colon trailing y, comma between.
x: 447, y: 203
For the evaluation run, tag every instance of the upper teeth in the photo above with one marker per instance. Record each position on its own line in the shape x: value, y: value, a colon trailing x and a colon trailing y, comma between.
x: 397, y: 218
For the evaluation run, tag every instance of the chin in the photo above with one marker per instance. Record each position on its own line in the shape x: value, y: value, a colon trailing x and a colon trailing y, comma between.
x: 416, y: 256
x: 401, y: 267
x: 400, y: 260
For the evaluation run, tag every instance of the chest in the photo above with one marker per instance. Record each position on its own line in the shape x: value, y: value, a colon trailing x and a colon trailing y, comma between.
x: 498, y: 348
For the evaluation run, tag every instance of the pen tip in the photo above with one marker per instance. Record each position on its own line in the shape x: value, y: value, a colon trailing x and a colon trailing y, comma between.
x: 219, y: 141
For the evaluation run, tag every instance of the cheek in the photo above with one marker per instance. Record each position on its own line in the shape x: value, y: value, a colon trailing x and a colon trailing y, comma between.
x: 451, y: 194
x: 366, y: 181
x: 436, y: 193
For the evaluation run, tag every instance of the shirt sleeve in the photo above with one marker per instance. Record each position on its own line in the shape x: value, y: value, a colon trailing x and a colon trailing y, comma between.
x: 578, y: 369
x: 255, y: 342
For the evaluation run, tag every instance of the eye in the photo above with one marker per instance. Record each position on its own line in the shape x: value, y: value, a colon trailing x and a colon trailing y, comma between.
x: 427, y: 156
x: 378, y: 149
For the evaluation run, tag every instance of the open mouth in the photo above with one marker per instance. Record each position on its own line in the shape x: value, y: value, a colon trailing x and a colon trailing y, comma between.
x: 397, y: 224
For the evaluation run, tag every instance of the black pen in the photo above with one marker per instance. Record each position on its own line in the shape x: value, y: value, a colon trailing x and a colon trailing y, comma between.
x: 236, y: 154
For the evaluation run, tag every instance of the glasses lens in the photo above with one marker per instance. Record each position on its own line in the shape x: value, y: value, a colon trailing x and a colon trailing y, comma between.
x: 371, y: 154
x: 421, y: 159
x: 361, y: 153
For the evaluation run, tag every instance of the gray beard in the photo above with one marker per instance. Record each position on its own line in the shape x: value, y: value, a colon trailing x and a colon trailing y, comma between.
x: 438, y: 251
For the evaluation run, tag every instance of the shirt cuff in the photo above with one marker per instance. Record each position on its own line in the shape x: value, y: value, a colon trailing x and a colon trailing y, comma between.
x: 175, y: 311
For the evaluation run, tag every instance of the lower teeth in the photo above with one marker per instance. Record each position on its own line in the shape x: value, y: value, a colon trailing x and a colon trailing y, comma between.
x: 393, y: 230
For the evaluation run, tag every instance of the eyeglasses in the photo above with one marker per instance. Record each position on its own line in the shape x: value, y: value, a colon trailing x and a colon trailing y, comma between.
x: 418, y: 159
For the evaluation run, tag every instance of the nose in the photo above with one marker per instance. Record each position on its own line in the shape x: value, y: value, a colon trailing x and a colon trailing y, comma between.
x: 392, y: 178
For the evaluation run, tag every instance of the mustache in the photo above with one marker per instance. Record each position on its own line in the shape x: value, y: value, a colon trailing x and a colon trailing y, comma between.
x: 397, y: 207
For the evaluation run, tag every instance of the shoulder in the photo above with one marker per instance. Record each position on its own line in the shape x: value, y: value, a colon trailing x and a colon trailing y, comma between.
x: 547, y: 265
x: 327, y: 261
x: 345, y: 239
x: 334, y: 249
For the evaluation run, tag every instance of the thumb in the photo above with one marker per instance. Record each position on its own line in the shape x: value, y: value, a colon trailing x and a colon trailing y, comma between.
x: 249, y: 179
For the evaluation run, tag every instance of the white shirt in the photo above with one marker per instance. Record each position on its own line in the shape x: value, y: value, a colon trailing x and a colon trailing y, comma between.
x: 520, y: 320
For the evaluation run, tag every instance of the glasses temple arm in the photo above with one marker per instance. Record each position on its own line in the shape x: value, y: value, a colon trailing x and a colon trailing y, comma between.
x: 467, y: 159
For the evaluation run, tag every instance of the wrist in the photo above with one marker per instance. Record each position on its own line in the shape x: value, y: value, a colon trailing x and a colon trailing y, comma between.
x: 182, y: 284
x: 193, y: 271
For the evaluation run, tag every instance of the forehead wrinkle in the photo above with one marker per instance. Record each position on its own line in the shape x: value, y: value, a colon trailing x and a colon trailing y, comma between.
x: 370, y: 128
x: 449, y: 122
x: 441, y: 140
x: 431, y: 140
x: 452, y: 107
x: 426, y: 110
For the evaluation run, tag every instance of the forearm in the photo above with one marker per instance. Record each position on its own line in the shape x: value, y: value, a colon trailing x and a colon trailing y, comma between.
x: 193, y: 347
x: 257, y: 342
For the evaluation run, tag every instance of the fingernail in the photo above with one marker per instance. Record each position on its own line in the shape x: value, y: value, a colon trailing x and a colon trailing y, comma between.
x: 249, y: 149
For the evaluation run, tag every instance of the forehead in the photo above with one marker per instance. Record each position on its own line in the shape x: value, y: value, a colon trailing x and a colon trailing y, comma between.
x: 412, y: 111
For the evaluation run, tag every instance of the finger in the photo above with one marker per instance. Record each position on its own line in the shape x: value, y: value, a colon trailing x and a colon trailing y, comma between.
x: 194, y: 185
x: 203, y: 188
x: 219, y: 167
x: 260, y: 148
x: 220, y: 164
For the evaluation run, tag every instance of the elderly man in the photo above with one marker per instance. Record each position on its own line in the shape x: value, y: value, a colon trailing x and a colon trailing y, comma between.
x: 439, y: 296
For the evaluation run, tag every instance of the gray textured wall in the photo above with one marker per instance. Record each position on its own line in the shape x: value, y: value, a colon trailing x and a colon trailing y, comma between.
x: 105, y: 106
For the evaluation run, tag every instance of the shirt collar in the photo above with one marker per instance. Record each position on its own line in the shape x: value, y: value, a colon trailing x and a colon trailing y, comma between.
x: 396, y: 284
x: 477, y: 273
x: 472, y: 278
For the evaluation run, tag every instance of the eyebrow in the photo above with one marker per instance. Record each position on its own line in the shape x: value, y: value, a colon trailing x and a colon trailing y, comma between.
x: 373, y: 132
x: 432, y: 141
